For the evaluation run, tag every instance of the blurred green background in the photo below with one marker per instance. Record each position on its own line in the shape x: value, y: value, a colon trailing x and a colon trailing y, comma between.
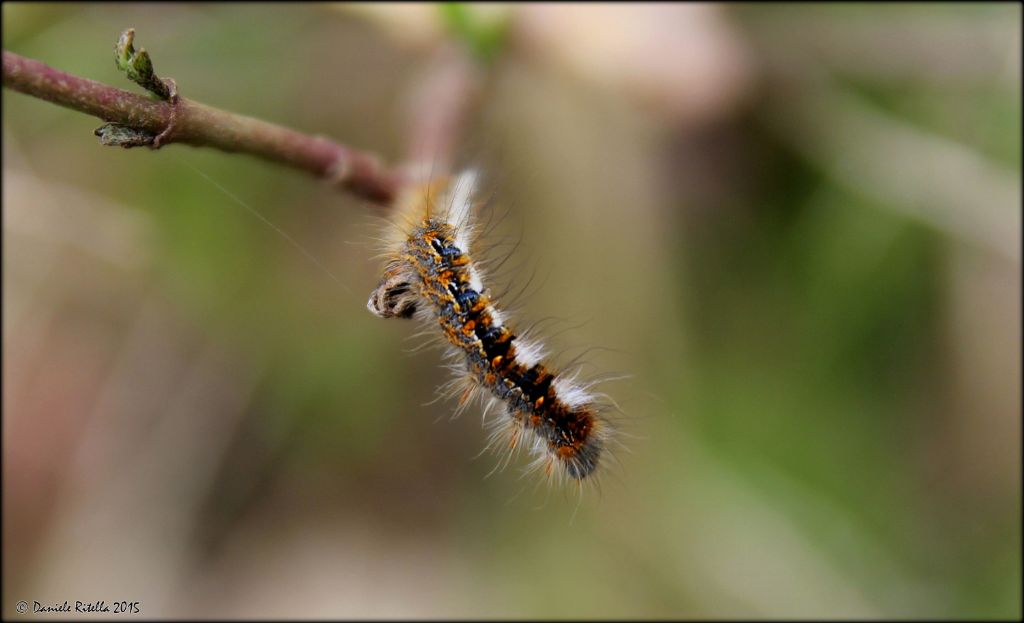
x: 797, y: 227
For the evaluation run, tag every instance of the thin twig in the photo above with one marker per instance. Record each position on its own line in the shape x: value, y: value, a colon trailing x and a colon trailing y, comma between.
x: 200, y: 125
x: 442, y: 102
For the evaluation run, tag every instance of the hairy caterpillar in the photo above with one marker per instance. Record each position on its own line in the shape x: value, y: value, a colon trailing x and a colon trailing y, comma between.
x: 430, y: 274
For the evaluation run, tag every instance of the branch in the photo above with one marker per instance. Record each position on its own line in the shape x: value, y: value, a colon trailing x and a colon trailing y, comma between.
x: 140, y: 120
x: 442, y: 103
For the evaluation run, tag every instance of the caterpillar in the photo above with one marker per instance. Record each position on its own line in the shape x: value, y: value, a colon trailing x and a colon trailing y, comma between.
x: 431, y: 275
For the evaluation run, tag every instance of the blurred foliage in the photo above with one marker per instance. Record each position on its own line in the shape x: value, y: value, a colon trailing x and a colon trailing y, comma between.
x: 483, y: 37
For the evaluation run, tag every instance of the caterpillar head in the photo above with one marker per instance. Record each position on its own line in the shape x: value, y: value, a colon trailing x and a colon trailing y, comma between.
x: 393, y: 297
